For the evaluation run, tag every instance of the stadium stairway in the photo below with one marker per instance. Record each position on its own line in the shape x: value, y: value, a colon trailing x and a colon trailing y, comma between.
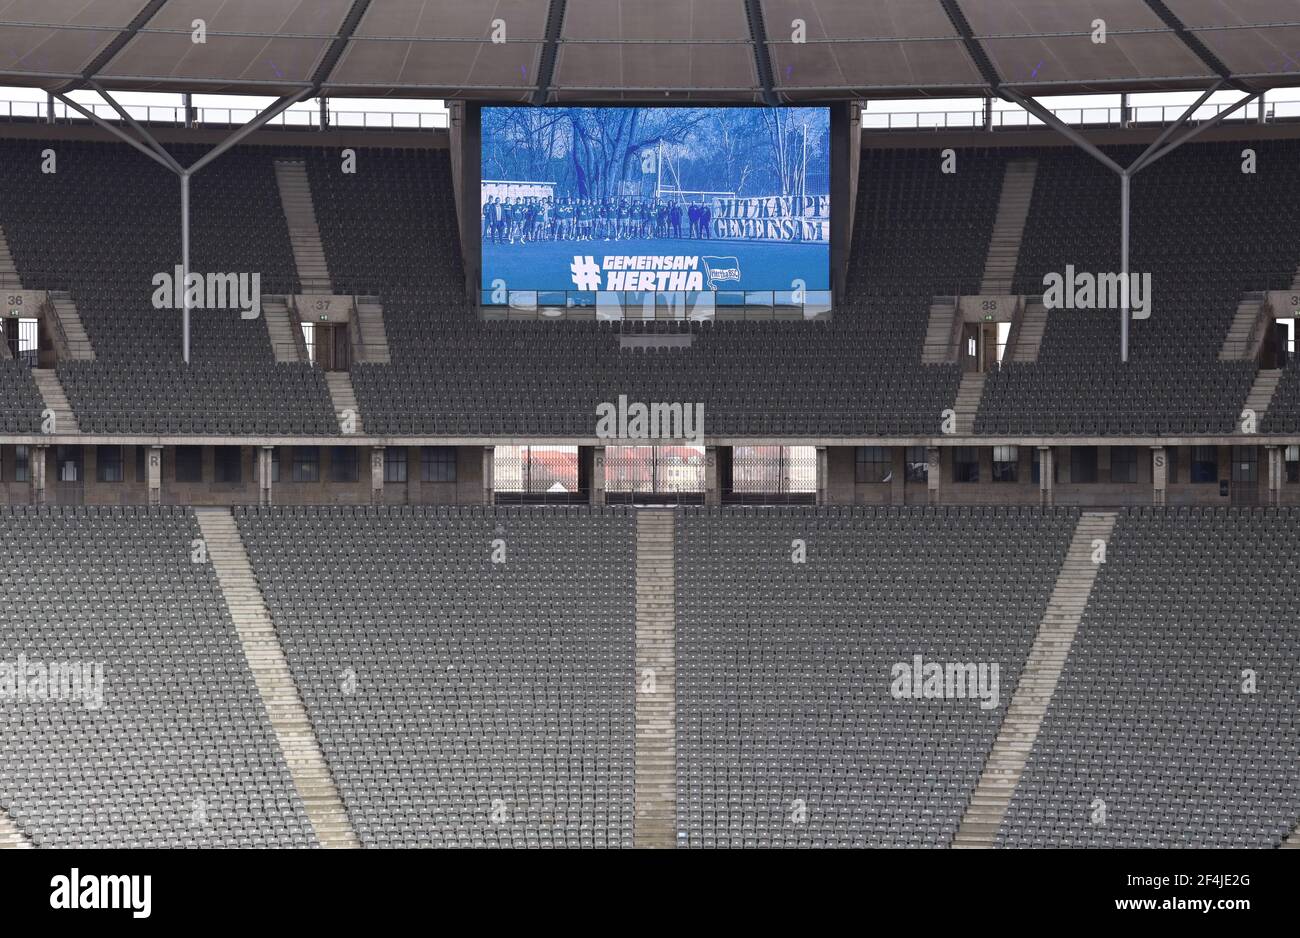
x: 654, y: 820
x: 940, y: 343
x: 1029, y: 335
x: 70, y: 325
x: 370, y: 324
x: 1009, y: 226
x: 304, y: 233
x: 1024, y: 719
x: 275, y: 684
x: 968, y: 401
x: 47, y: 382
x: 11, y: 838
x: 344, y: 397
x: 1244, y: 335
x: 279, y: 326
x: 1261, y: 392
x: 1292, y: 841
x: 8, y: 272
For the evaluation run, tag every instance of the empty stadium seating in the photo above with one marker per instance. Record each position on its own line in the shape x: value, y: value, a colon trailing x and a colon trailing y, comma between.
x: 181, y: 753
x: 490, y: 703
x: 1206, y: 233
x: 1151, y: 739
x: 784, y: 669
x: 127, y: 229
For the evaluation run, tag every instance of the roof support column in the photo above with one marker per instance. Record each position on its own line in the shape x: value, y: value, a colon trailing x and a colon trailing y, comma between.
x: 1159, y: 148
x: 150, y: 147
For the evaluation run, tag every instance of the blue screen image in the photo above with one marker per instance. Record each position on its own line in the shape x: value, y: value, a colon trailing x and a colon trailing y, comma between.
x: 655, y: 199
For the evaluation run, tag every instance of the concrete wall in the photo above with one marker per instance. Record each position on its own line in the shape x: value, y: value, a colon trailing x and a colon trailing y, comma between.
x: 134, y: 487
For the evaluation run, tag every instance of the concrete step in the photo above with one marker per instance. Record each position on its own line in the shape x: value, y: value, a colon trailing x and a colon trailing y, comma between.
x: 276, y: 687
x: 1038, y: 682
x: 655, y: 809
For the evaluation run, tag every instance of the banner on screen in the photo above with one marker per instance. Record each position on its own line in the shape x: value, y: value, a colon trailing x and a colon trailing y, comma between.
x: 695, y: 199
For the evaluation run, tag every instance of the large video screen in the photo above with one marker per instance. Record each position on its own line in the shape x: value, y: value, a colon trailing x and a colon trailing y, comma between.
x: 723, y: 201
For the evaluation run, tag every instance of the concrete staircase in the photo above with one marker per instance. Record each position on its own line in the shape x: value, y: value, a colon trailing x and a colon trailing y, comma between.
x: 1024, y: 719
x: 655, y: 819
x: 11, y: 838
x: 940, y: 344
x: 275, y: 684
x: 1009, y: 227
x: 1261, y: 392
x: 279, y: 326
x: 343, y: 396
x: 47, y: 381
x: 1241, y: 342
x: 1029, y: 337
x: 8, y: 272
x: 374, y: 338
x: 1292, y: 841
x: 304, y: 233
x: 968, y: 401
x: 65, y: 311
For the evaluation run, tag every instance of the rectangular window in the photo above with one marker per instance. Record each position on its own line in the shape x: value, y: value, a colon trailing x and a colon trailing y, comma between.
x: 68, y: 459
x: 1006, y: 463
x: 1083, y: 464
x: 874, y: 464
x: 22, y: 464
x: 345, y: 464
x: 1205, y: 464
x: 965, y: 464
x: 438, y: 464
x: 1123, y: 464
x: 189, y: 464
x: 1245, y: 464
x: 395, y: 464
x: 306, y: 464
x: 228, y: 462
x: 918, y: 464
x: 108, y: 463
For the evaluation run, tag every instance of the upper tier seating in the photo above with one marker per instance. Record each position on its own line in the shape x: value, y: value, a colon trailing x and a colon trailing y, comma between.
x: 181, y: 752
x: 1206, y: 232
x: 102, y: 227
x: 924, y: 233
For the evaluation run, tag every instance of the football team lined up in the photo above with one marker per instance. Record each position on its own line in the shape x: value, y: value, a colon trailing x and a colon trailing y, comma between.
x: 524, y: 219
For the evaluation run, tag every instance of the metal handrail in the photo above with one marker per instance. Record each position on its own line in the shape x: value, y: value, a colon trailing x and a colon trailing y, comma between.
x: 171, y: 115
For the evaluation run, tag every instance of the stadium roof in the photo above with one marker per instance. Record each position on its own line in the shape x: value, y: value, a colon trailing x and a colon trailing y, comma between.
x: 608, y: 50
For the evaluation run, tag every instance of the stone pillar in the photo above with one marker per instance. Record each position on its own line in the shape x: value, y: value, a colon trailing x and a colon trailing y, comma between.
x: 489, y: 475
x: 598, y: 475
x: 153, y: 474
x: 712, y: 495
x: 376, y: 475
x: 1159, y: 476
x: 1276, y: 473
x: 822, y: 476
x: 933, y: 473
x: 36, y: 466
x: 1046, y: 476
x: 898, y: 475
